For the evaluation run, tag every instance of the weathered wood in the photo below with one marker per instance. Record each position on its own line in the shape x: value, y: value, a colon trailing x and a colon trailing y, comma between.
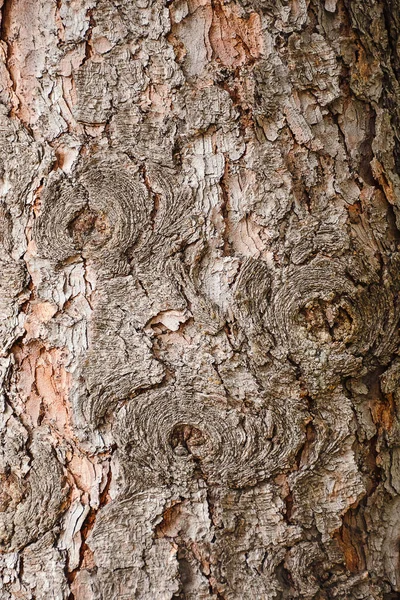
x: 199, y: 299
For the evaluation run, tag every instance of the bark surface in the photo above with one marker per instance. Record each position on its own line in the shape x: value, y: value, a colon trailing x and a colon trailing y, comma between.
x: 199, y: 299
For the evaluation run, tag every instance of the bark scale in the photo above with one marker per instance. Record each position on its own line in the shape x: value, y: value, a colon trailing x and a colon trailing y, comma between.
x: 199, y: 299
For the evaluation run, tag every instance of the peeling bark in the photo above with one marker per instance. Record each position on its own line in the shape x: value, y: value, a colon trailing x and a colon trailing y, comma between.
x: 199, y: 299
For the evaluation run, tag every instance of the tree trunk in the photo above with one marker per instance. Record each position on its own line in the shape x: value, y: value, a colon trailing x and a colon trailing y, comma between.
x: 199, y: 302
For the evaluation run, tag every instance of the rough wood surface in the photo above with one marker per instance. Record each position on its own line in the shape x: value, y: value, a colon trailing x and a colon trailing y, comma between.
x: 199, y: 299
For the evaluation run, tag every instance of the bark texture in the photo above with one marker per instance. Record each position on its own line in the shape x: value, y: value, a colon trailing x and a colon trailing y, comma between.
x: 199, y: 299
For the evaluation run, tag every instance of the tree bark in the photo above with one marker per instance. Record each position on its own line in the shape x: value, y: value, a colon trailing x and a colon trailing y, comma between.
x: 199, y: 299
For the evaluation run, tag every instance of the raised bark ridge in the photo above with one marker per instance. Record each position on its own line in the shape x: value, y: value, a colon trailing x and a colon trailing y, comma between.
x: 199, y: 299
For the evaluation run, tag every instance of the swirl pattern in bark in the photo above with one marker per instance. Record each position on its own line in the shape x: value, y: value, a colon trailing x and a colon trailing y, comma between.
x: 328, y: 323
x: 30, y: 504
x: 167, y: 436
x: 99, y: 215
